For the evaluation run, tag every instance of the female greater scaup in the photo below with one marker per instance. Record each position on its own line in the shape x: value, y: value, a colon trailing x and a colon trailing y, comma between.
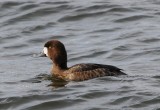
x: 56, y: 51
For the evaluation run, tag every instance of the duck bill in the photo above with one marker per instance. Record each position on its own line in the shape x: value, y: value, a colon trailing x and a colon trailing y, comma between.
x: 42, y: 54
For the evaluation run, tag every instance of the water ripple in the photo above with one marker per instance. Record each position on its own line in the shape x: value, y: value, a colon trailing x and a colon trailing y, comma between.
x: 115, y: 32
x: 133, y: 18
x: 81, y: 16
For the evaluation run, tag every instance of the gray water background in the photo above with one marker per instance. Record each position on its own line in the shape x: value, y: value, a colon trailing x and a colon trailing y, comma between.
x: 123, y: 33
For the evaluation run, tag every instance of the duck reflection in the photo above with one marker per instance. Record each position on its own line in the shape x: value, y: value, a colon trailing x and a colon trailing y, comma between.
x: 56, y: 82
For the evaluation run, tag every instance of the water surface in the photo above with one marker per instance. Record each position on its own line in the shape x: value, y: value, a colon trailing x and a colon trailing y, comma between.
x: 123, y: 33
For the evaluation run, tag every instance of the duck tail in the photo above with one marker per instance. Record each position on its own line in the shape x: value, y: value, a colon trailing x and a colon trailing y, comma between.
x: 122, y: 73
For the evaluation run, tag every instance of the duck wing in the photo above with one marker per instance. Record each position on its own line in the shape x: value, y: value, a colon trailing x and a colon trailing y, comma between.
x: 91, y: 66
x: 90, y: 70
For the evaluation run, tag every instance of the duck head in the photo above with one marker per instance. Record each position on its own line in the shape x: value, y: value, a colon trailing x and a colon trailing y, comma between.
x: 55, y: 50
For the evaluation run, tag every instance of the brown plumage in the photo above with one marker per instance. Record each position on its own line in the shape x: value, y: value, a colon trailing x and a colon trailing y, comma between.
x: 56, y: 51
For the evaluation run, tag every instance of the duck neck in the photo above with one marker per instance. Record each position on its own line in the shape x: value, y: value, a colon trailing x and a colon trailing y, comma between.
x: 60, y: 62
x: 61, y: 66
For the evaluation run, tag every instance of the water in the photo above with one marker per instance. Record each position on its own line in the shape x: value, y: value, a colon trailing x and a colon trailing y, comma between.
x: 123, y: 33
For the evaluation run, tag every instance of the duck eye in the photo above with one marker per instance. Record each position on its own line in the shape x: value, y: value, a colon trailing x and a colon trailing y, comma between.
x: 49, y: 47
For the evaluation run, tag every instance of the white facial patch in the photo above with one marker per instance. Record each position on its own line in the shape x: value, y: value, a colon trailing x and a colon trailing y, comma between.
x: 45, y: 51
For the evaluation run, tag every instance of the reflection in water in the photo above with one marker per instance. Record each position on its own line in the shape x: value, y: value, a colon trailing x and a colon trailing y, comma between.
x: 56, y: 82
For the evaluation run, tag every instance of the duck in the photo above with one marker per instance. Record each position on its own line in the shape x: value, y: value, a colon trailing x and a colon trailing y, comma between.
x: 56, y: 51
